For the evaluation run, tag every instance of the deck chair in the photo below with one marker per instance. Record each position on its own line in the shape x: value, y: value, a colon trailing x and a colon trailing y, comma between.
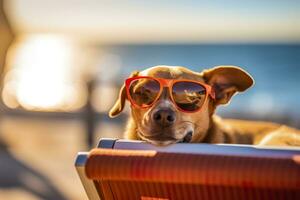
x: 135, y: 170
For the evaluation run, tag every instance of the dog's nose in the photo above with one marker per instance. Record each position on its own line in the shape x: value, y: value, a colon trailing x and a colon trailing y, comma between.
x: 164, y: 117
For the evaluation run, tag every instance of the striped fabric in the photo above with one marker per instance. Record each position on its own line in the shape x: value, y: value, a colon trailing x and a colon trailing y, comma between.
x: 147, y: 174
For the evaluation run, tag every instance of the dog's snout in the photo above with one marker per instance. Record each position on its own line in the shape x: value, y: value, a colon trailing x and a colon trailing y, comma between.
x: 164, y: 117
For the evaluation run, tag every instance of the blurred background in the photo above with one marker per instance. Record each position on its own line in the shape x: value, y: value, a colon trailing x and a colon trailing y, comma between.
x: 62, y: 63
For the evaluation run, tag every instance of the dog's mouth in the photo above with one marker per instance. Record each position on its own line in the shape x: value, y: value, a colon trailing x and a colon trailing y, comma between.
x: 187, y: 138
x: 165, y: 140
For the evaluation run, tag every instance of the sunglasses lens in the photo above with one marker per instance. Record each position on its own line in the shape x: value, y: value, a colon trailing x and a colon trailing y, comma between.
x: 144, y: 91
x: 188, y: 96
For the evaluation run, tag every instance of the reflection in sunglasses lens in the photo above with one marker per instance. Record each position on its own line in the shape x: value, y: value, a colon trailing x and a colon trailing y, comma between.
x: 188, y: 96
x: 144, y: 91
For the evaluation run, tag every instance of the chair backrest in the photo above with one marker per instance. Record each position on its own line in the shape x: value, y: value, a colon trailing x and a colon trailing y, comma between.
x: 120, y: 169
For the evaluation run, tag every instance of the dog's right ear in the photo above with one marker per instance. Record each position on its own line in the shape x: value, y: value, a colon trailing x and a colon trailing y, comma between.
x: 120, y: 102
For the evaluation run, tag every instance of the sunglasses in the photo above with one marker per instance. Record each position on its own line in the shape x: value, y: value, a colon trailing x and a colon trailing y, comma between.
x: 187, y: 95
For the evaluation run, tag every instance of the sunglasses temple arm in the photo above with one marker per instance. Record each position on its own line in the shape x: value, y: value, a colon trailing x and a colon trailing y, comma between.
x: 212, y: 93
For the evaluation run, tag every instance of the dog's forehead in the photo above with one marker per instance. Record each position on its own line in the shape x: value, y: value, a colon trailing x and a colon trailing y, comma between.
x: 172, y: 72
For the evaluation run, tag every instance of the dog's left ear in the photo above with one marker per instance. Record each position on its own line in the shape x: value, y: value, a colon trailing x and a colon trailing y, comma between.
x: 120, y: 102
x: 226, y: 81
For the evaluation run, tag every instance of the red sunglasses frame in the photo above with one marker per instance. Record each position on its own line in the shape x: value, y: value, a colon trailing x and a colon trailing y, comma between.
x: 169, y: 84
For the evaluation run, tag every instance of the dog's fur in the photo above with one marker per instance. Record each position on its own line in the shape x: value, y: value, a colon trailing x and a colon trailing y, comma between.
x: 204, y: 125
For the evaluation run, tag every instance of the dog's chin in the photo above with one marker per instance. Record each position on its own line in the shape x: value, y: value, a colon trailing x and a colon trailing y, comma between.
x: 162, y: 140
x: 162, y: 143
x: 158, y: 140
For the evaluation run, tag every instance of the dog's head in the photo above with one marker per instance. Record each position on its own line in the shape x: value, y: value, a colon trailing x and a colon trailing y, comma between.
x: 163, y: 123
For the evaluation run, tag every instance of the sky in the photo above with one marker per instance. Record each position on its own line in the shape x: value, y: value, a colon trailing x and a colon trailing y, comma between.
x: 216, y: 21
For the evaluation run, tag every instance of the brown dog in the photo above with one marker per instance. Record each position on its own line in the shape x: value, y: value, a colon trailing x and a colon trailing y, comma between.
x: 163, y: 123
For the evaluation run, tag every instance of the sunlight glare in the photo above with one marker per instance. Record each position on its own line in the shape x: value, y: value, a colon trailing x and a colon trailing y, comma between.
x: 44, y: 72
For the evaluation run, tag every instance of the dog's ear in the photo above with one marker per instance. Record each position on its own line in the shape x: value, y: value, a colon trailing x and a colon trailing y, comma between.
x: 226, y: 81
x: 120, y: 102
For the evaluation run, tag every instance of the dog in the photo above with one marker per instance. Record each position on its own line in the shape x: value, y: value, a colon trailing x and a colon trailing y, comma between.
x: 164, y: 123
